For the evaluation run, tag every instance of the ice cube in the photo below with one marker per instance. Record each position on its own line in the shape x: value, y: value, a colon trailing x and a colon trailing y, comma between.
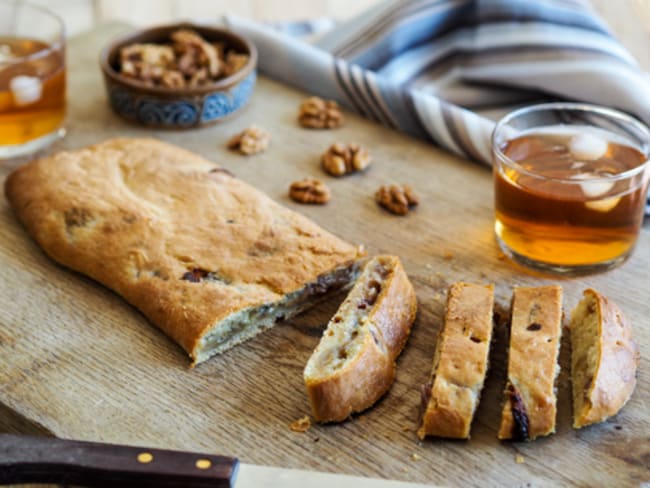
x: 587, y: 146
x: 595, y: 188
x: 5, y: 53
x: 604, y: 205
x: 25, y: 89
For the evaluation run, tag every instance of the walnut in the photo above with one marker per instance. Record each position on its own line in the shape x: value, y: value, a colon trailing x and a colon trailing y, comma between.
x: 316, y: 113
x: 172, y: 79
x: 251, y: 140
x: 309, y: 190
x: 234, y: 62
x: 147, y: 62
x: 191, y: 45
x: 341, y: 159
x: 188, y: 61
x: 396, y: 199
x: 152, y: 54
x: 199, y: 77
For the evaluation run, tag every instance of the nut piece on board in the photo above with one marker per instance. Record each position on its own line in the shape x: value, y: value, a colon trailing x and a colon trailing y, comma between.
x: 301, y: 425
x: 251, y: 140
x: 396, y: 199
x: 309, y: 190
x: 342, y: 159
x: 316, y: 113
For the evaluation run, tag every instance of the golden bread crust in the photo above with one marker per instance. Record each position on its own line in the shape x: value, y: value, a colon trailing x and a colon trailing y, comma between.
x: 610, y: 386
x: 138, y: 215
x: 369, y: 373
x: 355, y: 388
x: 530, y: 401
x: 460, y: 362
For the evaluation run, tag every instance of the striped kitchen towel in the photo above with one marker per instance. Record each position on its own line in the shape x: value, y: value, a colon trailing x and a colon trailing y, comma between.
x: 444, y: 70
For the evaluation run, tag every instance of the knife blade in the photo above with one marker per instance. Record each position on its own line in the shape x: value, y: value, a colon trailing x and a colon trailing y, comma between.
x: 26, y: 459
x: 252, y: 476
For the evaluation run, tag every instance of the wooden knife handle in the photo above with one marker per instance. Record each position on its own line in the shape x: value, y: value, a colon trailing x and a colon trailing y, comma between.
x: 47, y: 460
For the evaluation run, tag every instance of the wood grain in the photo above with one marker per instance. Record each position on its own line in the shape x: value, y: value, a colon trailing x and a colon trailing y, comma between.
x: 78, y: 362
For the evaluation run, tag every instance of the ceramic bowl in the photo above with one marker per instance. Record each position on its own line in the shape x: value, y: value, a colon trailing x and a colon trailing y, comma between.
x: 178, y: 108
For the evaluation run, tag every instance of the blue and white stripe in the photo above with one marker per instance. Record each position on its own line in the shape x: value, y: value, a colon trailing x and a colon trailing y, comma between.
x: 443, y: 70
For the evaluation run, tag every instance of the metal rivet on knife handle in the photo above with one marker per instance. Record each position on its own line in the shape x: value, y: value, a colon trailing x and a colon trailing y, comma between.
x: 203, y: 463
x: 145, y: 457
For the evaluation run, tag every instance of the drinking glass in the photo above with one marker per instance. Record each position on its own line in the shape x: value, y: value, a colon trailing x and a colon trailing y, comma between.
x: 32, y: 78
x: 570, y: 186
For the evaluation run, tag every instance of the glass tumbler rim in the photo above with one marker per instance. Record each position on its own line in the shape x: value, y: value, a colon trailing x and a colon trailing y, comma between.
x: 580, y: 107
x: 55, y: 46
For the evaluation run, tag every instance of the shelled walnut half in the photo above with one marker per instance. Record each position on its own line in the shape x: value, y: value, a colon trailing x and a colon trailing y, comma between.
x: 397, y: 199
x: 342, y: 159
x: 316, y: 113
x: 251, y: 140
x: 309, y: 190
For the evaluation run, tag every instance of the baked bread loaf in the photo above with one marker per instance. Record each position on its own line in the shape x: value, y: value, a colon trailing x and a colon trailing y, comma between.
x: 206, y: 257
x: 354, y: 363
x: 535, y: 331
x: 604, y: 359
x: 460, y: 362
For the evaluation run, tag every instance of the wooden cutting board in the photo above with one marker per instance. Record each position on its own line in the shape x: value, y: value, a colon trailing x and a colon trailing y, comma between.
x: 78, y: 362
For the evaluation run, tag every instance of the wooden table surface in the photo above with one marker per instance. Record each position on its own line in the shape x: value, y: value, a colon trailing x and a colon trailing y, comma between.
x: 78, y: 362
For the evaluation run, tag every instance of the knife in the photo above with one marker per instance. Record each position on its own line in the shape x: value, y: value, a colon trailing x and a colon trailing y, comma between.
x: 25, y: 459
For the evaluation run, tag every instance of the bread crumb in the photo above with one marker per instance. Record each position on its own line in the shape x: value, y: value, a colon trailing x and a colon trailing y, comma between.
x: 301, y: 425
x: 519, y: 459
x: 416, y: 457
x: 406, y: 428
x: 501, y: 256
x: 448, y: 256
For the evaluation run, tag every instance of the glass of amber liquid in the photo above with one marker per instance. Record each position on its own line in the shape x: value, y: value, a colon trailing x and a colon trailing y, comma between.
x: 570, y: 186
x: 32, y: 78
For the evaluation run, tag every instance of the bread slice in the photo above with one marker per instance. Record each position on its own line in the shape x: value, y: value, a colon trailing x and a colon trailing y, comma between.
x: 354, y: 363
x: 460, y: 363
x: 206, y: 257
x: 535, y: 331
x: 604, y: 359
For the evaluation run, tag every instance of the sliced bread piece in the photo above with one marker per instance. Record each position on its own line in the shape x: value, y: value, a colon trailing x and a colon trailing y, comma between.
x: 604, y: 359
x: 460, y: 363
x: 354, y: 363
x: 535, y: 331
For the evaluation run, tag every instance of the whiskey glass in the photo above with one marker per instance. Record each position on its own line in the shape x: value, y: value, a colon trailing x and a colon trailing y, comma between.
x: 570, y: 185
x: 32, y: 78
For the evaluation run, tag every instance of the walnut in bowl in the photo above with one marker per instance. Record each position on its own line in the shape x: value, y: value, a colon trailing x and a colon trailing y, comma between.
x: 179, y: 76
